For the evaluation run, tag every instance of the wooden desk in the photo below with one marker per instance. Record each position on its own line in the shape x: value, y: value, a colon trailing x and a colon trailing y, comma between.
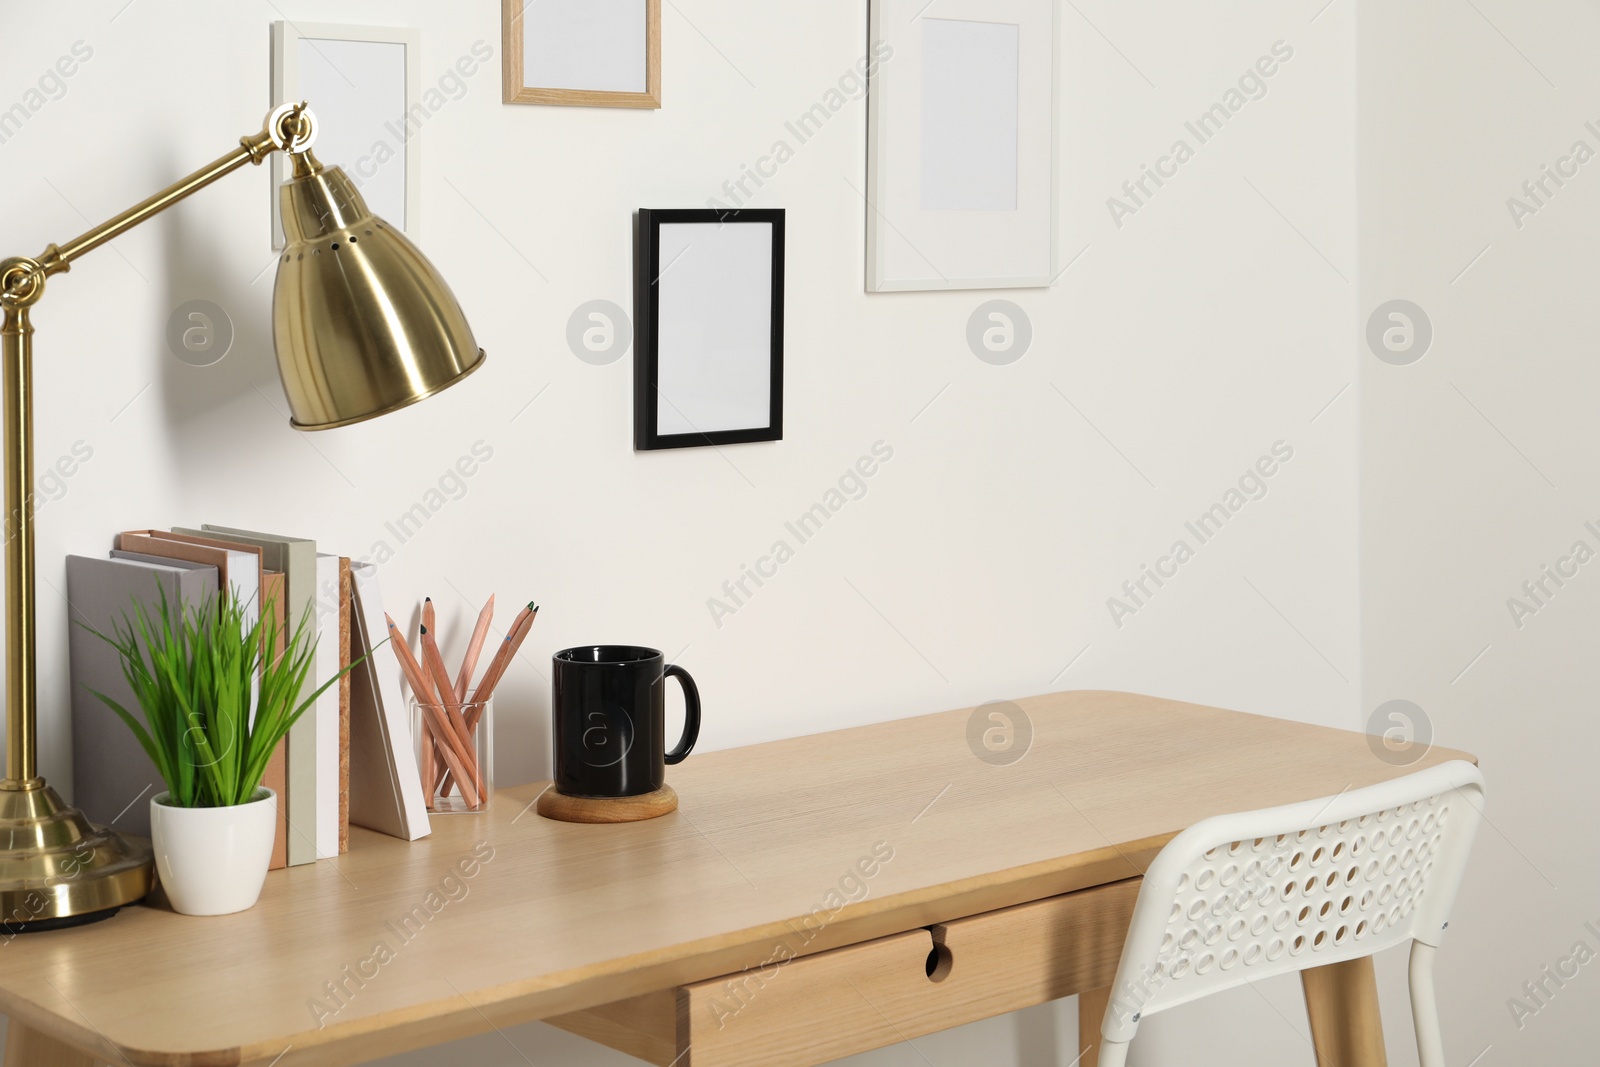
x: 870, y: 854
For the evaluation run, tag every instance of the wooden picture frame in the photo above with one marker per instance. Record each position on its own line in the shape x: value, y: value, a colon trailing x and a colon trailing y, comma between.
x: 963, y: 167
x: 708, y: 327
x: 627, y: 76
x: 362, y: 111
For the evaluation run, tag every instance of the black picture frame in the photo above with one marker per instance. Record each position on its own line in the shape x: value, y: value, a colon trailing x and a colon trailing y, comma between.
x: 647, y: 435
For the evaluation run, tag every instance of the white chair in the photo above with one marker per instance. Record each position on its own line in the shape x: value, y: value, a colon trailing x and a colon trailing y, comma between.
x: 1238, y: 898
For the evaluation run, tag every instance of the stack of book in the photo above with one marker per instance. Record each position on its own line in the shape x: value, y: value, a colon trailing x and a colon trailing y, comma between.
x: 348, y: 760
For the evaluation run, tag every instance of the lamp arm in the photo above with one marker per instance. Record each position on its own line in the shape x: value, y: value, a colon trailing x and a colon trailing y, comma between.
x: 253, y: 148
x: 288, y: 128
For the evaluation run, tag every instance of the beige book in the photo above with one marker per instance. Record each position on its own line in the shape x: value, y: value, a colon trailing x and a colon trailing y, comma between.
x: 346, y: 588
x: 297, y: 558
x: 276, y: 777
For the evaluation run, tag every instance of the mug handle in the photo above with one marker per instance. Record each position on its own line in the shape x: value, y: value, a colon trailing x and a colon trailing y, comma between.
x: 691, y: 713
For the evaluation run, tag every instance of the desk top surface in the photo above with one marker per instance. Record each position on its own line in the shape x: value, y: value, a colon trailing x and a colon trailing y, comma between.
x: 829, y: 839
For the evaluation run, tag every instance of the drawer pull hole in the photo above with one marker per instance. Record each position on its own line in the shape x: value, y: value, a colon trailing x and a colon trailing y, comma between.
x: 939, y: 963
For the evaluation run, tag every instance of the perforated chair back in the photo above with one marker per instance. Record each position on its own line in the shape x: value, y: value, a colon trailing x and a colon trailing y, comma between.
x: 1238, y: 898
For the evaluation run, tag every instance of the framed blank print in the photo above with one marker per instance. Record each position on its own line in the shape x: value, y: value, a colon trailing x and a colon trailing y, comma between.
x: 600, y: 53
x: 362, y: 85
x: 962, y: 158
x: 708, y: 310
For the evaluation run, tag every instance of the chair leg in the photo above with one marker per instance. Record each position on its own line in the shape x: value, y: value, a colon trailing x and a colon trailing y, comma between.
x: 1092, y: 1004
x: 1425, y: 1006
x: 1342, y: 1002
x: 1113, y: 1053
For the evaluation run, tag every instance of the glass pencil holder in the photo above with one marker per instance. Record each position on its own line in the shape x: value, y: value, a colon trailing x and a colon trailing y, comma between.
x: 455, y: 753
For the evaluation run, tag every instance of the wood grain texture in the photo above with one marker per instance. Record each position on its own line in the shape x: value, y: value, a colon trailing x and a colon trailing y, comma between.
x: 643, y: 1027
x: 881, y: 992
x: 1346, y: 1026
x: 29, y: 1048
x: 513, y: 89
x: 1017, y: 957
x: 808, y: 1011
x: 562, y: 808
x: 558, y: 917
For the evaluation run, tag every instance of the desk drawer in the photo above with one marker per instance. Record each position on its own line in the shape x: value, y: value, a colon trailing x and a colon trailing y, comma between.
x: 813, y: 1009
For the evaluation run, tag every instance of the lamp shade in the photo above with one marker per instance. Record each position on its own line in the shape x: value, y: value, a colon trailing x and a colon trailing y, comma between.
x: 361, y: 321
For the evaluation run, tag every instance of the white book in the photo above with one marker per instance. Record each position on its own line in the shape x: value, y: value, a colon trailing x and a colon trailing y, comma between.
x: 324, y: 665
x: 385, y: 783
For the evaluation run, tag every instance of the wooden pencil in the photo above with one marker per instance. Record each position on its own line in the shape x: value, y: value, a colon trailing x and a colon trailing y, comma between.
x: 422, y: 692
x: 518, y: 635
x: 420, y: 687
x: 491, y: 677
x: 427, y: 624
x: 452, y: 709
x: 455, y: 755
x: 502, y: 658
x: 434, y: 715
x: 469, y: 662
x: 433, y: 663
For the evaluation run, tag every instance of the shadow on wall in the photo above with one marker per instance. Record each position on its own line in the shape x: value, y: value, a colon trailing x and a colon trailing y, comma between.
x: 217, y: 343
x: 1039, y: 1037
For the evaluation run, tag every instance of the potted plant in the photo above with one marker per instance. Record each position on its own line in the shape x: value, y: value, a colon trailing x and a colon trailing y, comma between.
x: 215, y: 707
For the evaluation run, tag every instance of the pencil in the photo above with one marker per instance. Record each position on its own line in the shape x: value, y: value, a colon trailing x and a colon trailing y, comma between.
x: 469, y: 663
x: 422, y: 692
x: 452, y: 710
x: 433, y: 713
x: 433, y: 663
x: 429, y: 759
x: 455, y: 756
x: 464, y: 678
x: 518, y: 635
x: 502, y: 658
x: 420, y: 688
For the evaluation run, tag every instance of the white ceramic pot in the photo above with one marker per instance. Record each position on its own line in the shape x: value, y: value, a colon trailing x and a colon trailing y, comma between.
x: 213, y: 861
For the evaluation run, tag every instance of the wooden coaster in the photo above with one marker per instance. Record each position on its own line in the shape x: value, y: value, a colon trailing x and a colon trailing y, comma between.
x: 562, y: 808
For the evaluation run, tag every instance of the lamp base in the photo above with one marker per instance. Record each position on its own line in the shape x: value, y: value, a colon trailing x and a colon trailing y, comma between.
x: 55, y: 865
x: 40, y: 926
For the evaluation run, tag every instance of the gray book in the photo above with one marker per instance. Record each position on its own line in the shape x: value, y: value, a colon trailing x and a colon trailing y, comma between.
x: 296, y: 557
x: 113, y: 778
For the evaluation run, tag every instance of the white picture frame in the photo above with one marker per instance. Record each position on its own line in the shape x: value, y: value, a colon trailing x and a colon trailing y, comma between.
x: 362, y: 83
x: 962, y: 171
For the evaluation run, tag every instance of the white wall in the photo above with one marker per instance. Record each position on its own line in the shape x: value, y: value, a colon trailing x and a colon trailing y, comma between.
x: 1177, y: 350
x: 1477, y: 470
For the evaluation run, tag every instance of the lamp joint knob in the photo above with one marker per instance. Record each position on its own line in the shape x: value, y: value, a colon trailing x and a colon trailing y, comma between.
x: 21, y: 282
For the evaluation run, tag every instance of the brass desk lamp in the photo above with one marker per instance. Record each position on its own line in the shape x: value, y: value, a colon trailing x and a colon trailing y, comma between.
x: 363, y: 325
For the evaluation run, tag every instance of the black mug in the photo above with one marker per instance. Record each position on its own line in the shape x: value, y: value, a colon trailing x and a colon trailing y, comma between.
x: 609, y: 714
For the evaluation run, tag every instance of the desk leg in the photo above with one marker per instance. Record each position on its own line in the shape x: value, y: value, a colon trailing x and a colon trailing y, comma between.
x: 1342, y: 1001
x: 30, y: 1048
x: 1092, y: 1004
